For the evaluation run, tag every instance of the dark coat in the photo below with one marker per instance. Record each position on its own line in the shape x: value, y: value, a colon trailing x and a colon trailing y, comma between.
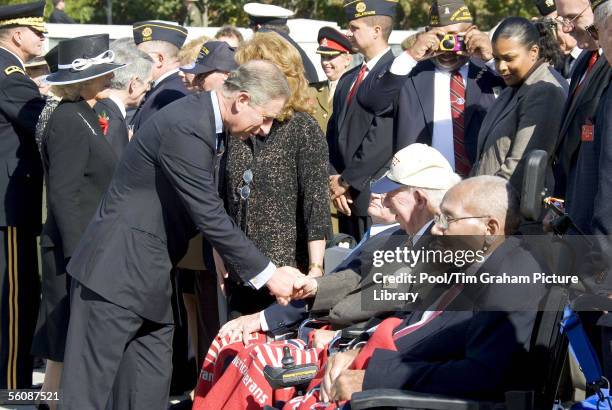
x: 162, y: 193
x: 360, y: 147
x: 168, y: 90
x: 117, y: 133
x: 60, y: 16
x: 79, y: 163
x: 410, y: 98
x: 476, y: 353
x: 21, y: 174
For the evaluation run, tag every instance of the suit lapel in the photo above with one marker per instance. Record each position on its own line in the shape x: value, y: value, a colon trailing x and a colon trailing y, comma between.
x: 579, y: 70
x: 424, y: 85
x: 473, y: 92
x: 343, y: 94
x: 505, y: 104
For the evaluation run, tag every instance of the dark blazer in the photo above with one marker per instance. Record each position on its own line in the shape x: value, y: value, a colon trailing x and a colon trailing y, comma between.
x: 580, y: 109
x: 162, y: 193
x: 21, y: 169
x: 475, y: 353
x: 117, y: 133
x: 168, y: 90
x: 79, y: 163
x: 359, y: 145
x: 410, y: 98
x: 522, y: 119
x: 60, y: 16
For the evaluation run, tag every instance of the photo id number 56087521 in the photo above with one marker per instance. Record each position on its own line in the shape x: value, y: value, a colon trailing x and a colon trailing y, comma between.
x: 27, y: 396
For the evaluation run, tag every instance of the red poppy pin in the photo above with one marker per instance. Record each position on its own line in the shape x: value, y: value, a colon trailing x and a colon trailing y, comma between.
x: 103, y: 121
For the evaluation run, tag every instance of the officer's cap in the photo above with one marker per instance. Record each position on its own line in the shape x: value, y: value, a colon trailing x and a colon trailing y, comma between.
x: 213, y: 56
x: 447, y: 12
x: 332, y: 42
x: 159, y: 31
x: 260, y: 13
x: 28, y: 15
x: 355, y: 9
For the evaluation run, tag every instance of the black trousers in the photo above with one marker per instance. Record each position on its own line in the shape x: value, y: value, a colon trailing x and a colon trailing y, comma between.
x: 353, y: 225
x: 19, y: 302
x: 114, y: 357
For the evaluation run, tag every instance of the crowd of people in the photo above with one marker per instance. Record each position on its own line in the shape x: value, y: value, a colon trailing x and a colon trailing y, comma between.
x: 184, y: 194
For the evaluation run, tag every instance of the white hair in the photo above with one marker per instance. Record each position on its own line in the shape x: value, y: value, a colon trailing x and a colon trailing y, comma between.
x: 139, y: 63
x: 603, y: 13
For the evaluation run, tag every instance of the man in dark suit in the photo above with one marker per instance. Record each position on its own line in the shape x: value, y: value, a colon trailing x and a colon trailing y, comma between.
x: 473, y: 342
x: 162, y: 194
x: 128, y: 86
x: 359, y: 144
x: 438, y: 97
x: 268, y: 17
x: 21, y: 38
x: 59, y: 15
x: 162, y: 41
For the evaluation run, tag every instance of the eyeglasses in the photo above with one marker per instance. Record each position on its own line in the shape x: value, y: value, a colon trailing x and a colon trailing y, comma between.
x: 245, y: 190
x: 570, y: 24
x: 443, y: 221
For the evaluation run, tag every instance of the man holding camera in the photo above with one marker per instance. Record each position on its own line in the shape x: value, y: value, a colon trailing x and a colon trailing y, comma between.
x: 444, y: 86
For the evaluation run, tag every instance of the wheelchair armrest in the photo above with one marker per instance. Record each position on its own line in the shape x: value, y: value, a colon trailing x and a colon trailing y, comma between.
x: 377, y: 398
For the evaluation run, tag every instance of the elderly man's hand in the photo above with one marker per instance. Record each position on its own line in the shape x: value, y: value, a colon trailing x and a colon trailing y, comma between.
x: 342, y: 203
x: 336, y: 364
x: 336, y: 189
x: 241, y: 328
x: 478, y: 44
x: 349, y: 382
x: 281, y: 283
x: 426, y: 45
x: 322, y: 337
x: 304, y: 287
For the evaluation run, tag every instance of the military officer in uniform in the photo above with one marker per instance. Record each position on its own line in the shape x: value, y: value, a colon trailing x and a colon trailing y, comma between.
x: 268, y: 17
x: 336, y: 57
x: 162, y: 41
x: 21, y: 39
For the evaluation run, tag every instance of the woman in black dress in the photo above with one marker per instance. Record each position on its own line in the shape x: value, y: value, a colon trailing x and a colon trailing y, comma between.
x: 78, y: 162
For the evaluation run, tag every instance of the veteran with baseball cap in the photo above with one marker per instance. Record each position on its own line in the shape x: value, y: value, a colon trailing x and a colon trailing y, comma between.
x: 332, y: 42
x: 418, y: 166
x: 448, y: 12
x: 24, y: 15
x: 364, y: 8
x: 213, y: 56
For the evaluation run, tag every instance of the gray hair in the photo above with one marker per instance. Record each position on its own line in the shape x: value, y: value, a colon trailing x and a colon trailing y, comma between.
x: 435, y: 196
x: 139, y: 63
x: 262, y: 80
x: 168, y: 50
x: 603, y: 13
x: 493, y: 195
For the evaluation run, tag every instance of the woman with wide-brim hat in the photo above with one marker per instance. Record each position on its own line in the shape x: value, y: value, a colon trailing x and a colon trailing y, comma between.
x: 78, y: 162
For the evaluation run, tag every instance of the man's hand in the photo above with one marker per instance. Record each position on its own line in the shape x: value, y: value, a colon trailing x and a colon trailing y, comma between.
x: 322, y: 337
x: 349, y: 382
x: 281, y: 283
x: 220, y: 269
x: 336, y: 364
x: 241, y: 328
x: 336, y: 189
x: 478, y: 44
x: 342, y: 203
x: 426, y: 45
x: 305, y: 287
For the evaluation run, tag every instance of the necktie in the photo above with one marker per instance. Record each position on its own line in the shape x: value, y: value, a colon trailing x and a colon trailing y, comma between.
x: 457, y: 97
x: 357, y: 83
x: 592, y: 61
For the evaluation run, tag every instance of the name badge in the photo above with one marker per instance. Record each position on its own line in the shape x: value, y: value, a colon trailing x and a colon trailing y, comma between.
x: 588, y: 132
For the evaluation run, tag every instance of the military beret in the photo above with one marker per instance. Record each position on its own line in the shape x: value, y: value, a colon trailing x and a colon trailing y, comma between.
x: 447, y: 12
x: 260, y: 13
x: 159, y: 31
x: 28, y: 15
x: 545, y: 7
x: 355, y: 9
x: 332, y: 42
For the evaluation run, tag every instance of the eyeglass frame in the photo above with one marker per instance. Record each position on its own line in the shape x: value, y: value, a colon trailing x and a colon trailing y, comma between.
x: 438, y: 218
x: 571, y: 25
x: 244, y: 192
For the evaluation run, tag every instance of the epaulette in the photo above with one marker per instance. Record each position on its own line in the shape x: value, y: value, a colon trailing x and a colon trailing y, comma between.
x: 13, y: 69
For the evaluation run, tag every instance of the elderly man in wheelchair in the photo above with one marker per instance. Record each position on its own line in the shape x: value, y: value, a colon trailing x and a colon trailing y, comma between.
x: 469, y: 342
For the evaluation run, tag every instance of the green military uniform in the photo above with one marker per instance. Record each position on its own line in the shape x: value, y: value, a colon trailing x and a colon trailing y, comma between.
x: 323, y: 106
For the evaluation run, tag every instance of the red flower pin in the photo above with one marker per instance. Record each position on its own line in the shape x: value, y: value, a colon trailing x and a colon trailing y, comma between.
x: 103, y: 121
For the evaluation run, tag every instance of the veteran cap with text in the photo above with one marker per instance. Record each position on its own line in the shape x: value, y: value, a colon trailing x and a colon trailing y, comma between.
x: 355, y: 9
x: 172, y: 33
x: 448, y: 12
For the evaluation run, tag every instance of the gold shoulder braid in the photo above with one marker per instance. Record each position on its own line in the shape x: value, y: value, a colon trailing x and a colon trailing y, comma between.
x: 13, y: 69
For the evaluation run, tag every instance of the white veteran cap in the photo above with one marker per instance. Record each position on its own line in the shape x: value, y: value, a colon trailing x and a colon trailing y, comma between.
x: 260, y: 13
x: 419, y: 166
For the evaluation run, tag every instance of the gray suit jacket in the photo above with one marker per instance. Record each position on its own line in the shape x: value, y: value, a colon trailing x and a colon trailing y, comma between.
x: 522, y: 119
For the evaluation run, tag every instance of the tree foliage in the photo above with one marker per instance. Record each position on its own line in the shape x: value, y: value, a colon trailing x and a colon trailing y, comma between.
x: 412, y: 13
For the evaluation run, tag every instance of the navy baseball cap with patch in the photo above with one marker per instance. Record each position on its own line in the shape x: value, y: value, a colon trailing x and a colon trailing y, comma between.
x: 332, y: 42
x: 24, y: 15
x: 159, y: 31
x: 213, y: 56
x: 355, y: 9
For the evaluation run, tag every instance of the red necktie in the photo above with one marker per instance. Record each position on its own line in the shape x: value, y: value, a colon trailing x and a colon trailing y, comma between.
x: 592, y: 61
x: 457, y: 97
x: 357, y: 83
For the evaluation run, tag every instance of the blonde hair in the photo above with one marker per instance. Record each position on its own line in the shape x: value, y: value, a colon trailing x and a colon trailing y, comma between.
x: 272, y: 47
x: 189, y: 52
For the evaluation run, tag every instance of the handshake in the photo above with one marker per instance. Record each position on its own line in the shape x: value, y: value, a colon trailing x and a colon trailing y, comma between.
x: 288, y: 284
